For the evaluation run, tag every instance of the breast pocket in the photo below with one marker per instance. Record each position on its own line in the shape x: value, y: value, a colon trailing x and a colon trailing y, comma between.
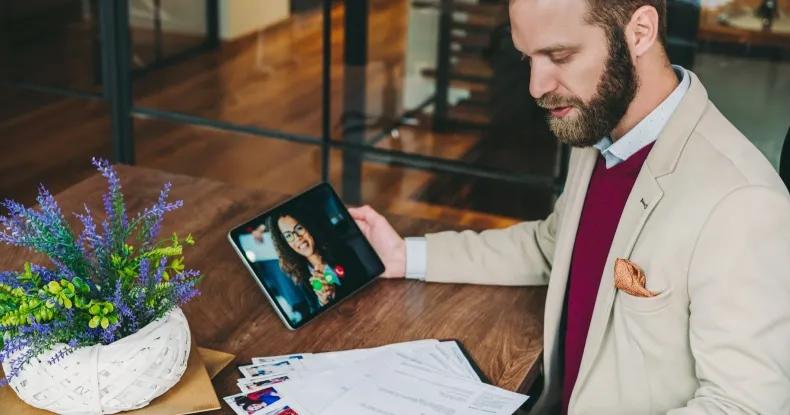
x: 644, y: 305
x: 649, y: 320
x: 658, y: 327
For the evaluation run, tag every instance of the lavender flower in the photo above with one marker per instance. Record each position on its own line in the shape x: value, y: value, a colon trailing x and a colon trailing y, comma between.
x: 61, y: 354
x: 99, y: 289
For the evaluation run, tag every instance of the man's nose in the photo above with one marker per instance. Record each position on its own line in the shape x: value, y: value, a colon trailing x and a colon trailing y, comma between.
x: 541, y: 81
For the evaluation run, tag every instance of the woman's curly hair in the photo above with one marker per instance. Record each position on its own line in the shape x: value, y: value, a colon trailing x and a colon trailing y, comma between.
x: 293, y: 264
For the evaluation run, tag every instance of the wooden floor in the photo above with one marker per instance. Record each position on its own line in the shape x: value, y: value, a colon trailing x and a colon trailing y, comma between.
x: 272, y: 80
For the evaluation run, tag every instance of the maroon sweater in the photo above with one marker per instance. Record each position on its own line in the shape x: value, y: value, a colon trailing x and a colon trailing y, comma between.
x: 603, y: 206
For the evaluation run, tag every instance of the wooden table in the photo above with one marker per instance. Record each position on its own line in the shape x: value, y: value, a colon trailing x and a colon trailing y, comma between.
x: 501, y: 327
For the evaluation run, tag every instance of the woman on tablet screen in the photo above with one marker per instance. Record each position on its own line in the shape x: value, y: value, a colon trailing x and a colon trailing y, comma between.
x: 307, y: 258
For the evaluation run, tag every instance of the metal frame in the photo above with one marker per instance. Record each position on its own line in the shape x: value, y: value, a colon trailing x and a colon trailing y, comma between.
x: 440, y: 109
x: 118, y: 76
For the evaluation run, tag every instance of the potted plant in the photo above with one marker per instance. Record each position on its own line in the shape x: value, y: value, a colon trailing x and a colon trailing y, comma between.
x: 99, y: 329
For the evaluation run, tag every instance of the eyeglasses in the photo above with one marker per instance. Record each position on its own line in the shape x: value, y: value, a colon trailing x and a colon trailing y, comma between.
x: 298, y: 230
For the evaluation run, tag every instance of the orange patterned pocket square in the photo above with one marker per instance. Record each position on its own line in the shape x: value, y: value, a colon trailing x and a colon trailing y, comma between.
x: 629, y: 278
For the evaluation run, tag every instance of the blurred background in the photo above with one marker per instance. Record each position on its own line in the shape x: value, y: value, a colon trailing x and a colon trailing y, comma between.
x: 417, y: 107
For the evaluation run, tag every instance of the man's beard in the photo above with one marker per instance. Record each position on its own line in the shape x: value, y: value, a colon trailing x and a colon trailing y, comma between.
x: 598, y: 117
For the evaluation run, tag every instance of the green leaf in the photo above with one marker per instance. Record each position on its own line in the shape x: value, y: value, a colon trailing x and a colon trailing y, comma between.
x: 178, y: 264
x: 67, y: 303
x: 166, y: 251
x: 54, y: 287
x: 80, y: 285
x: 105, y: 322
x: 94, y: 309
x: 94, y: 322
x: 189, y: 240
x: 113, y: 319
x: 165, y: 276
x: 108, y: 308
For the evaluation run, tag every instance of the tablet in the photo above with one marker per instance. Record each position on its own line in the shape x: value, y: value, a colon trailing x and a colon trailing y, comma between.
x: 306, y: 254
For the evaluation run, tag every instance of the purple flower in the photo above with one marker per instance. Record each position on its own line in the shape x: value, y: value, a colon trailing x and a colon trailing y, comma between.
x: 160, y: 270
x: 108, y: 335
x: 117, y: 221
x: 46, y: 274
x: 17, y: 365
x: 144, y: 283
x: 58, y: 356
x: 184, y: 292
x: 187, y: 275
x: 9, y: 278
x: 49, y: 207
x: 119, y: 303
x: 13, y: 346
x: 89, y: 234
x: 151, y: 218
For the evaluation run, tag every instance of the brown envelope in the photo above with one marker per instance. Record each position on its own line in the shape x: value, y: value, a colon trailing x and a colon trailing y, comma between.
x: 215, y: 360
x: 629, y: 278
x: 192, y: 394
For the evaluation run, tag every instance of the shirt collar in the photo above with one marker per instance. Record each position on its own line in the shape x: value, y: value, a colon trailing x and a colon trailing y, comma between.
x: 648, y: 130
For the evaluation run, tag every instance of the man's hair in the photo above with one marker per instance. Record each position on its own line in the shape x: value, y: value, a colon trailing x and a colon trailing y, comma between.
x: 615, y: 14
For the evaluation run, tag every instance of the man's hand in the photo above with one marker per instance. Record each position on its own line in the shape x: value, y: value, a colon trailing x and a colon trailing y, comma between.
x: 387, y: 243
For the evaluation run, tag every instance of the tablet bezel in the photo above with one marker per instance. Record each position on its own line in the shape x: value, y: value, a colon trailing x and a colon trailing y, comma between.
x: 234, y: 233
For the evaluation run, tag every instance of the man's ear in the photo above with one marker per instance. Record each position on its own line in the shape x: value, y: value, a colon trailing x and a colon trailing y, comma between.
x: 643, y: 30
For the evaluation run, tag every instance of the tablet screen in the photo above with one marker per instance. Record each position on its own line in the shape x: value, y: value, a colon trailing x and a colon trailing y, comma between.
x: 307, y: 253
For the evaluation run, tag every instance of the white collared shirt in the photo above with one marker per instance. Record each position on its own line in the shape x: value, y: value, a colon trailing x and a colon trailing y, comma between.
x: 644, y: 133
x: 648, y: 129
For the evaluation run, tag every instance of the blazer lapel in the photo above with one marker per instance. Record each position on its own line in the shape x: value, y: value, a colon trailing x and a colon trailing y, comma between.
x: 644, y: 197
x: 578, y: 181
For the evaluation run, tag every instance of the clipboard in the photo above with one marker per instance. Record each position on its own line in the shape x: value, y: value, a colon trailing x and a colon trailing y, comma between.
x: 475, y: 367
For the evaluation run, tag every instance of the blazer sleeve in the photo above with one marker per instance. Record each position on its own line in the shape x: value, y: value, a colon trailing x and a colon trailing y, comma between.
x: 518, y: 255
x: 739, y: 292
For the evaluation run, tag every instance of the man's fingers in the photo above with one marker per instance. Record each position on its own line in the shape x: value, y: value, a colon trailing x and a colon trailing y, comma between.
x: 363, y: 212
x: 363, y: 226
x: 357, y: 213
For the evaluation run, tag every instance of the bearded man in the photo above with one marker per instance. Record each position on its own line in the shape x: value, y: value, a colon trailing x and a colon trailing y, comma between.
x: 667, y: 257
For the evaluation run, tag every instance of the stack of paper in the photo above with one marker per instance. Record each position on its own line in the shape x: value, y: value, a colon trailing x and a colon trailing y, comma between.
x: 422, y: 377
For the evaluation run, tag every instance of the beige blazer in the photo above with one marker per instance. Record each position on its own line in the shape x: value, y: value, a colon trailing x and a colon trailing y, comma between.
x: 713, y: 239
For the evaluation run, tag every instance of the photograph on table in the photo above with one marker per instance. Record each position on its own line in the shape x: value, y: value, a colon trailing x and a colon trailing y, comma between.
x: 254, y: 402
x: 286, y: 410
x: 267, y: 401
x: 308, y: 254
x: 256, y: 385
x: 265, y: 369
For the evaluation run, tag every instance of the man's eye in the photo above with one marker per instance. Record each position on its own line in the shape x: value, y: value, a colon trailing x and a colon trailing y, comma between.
x: 561, y: 59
